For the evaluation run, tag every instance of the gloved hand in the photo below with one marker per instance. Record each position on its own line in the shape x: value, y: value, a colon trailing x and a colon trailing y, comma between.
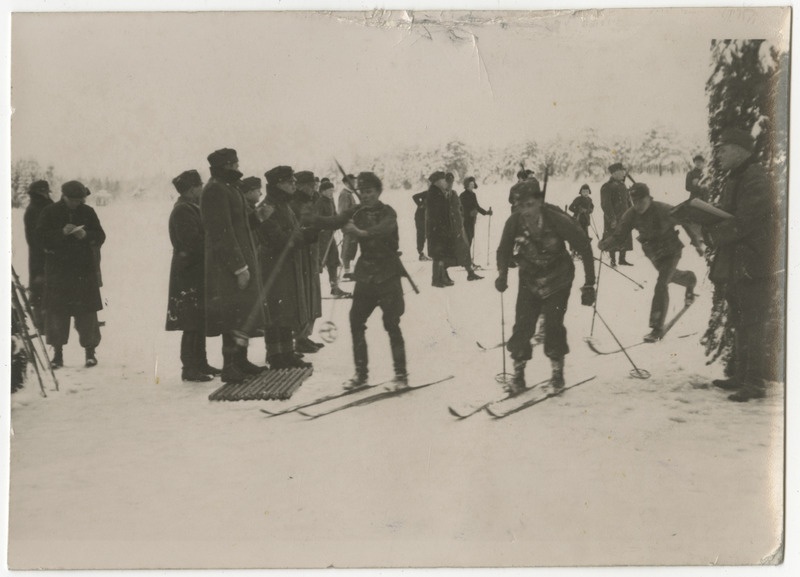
x: 501, y: 284
x: 588, y: 295
x: 490, y: 213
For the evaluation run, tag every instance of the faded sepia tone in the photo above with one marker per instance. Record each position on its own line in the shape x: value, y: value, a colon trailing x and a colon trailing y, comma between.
x: 126, y: 466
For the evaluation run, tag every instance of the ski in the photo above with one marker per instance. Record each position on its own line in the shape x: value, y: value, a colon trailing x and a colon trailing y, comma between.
x: 484, y: 349
x: 468, y: 409
x: 591, y: 344
x: 499, y: 410
x: 320, y: 400
x: 386, y: 394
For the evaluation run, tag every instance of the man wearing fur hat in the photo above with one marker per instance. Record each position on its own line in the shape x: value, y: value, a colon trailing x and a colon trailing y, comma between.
x: 69, y: 231
x: 328, y: 251
x: 233, y: 304
x: 748, y: 265
x: 614, y: 201
x: 660, y: 243
x: 281, y: 257
x: 186, y: 301
x: 39, y: 193
x: 546, y: 272
x: 303, y: 204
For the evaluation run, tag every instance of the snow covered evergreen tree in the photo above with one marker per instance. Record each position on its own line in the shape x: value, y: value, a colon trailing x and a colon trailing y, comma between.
x: 748, y: 89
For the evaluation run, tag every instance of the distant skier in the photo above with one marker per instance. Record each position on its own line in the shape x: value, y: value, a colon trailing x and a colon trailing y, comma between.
x: 695, y: 184
x: 546, y: 272
x: 661, y: 245
x: 471, y: 208
x: 614, y: 201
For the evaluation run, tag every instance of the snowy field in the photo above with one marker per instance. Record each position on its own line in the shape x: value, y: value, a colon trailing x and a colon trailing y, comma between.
x: 129, y: 467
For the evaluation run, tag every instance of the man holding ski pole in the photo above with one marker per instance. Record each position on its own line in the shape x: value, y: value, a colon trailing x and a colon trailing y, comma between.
x: 546, y: 272
x: 660, y: 243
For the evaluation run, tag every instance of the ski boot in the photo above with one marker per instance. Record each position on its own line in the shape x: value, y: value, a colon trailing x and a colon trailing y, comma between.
x: 690, y: 294
x: 91, y: 360
x: 653, y: 336
x: 357, y: 381
x: 473, y: 276
x: 557, y: 378
x: 246, y: 366
x: 517, y: 384
x: 423, y: 258
x: 339, y: 293
x: 209, y: 370
x: 306, y: 345
x: 399, y: 382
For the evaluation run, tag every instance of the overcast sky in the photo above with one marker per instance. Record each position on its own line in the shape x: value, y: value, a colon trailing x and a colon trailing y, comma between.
x: 141, y: 94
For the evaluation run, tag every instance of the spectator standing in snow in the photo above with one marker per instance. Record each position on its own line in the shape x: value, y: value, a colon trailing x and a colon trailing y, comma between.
x: 233, y: 307
x: 460, y: 245
x: 582, y: 208
x: 420, y: 201
x: 69, y: 231
x: 614, y: 201
x: 185, y: 305
x: 39, y: 193
x: 470, y: 208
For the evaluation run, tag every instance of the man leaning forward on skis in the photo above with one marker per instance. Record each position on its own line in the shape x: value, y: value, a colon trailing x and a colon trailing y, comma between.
x: 546, y: 272
x: 660, y: 243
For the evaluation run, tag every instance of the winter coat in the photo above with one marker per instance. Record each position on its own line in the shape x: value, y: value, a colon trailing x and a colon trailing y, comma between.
x: 229, y: 247
x: 438, y: 225
x: 284, y: 282
x: 460, y: 244
x: 614, y: 201
x: 747, y: 245
x: 186, y: 300
x: 36, y: 258
x: 304, y: 208
x: 582, y: 208
x: 327, y: 242
x: 72, y: 284
x: 545, y: 266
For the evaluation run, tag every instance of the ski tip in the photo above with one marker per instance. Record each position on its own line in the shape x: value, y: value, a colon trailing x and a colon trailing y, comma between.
x: 307, y: 415
x: 268, y: 413
x: 455, y: 413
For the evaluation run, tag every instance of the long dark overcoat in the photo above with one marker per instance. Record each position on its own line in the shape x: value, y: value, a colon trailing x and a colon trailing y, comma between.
x: 284, y: 285
x: 71, y: 272
x: 438, y: 225
x: 229, y: 246
x: 186, y: 302
x: 36, y: 258
x: 304, y: 207
x: 614, y: 201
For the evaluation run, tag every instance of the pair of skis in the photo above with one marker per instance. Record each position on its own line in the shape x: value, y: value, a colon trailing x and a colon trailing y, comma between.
x: 380, y: 393
x: 510, y: 404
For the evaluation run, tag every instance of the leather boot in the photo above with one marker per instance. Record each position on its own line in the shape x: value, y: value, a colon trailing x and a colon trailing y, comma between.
x: 557, y: 379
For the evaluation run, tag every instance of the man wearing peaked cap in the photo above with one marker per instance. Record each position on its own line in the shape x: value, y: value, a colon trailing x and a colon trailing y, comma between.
x: 661, y: 245
x: 186, y: 297
x: 39, y: 192
x: 614, y: 201
x: 71, y: 235
x: 251, y: 189
x: 750, y: 265
x: 233, y: 304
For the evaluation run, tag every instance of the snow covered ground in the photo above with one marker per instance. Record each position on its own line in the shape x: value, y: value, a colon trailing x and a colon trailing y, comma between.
x: 128, y: 467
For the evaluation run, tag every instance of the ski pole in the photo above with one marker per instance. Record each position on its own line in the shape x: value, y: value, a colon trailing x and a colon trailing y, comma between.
x: 23, y: 327
x: 597, y: 294
x: 596, y: 234
x: 636, y: 372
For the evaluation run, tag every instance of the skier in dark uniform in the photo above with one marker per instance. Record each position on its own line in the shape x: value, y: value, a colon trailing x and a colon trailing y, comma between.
x: 419, y: 222
x: 614, y: 201
x: 546, y: 272
x: 378, y: 272
x: 661, y: 245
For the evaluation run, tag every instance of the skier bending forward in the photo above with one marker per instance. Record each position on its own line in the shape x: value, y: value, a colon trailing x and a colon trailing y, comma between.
x: 661, y: 245
x: 546, y: 272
